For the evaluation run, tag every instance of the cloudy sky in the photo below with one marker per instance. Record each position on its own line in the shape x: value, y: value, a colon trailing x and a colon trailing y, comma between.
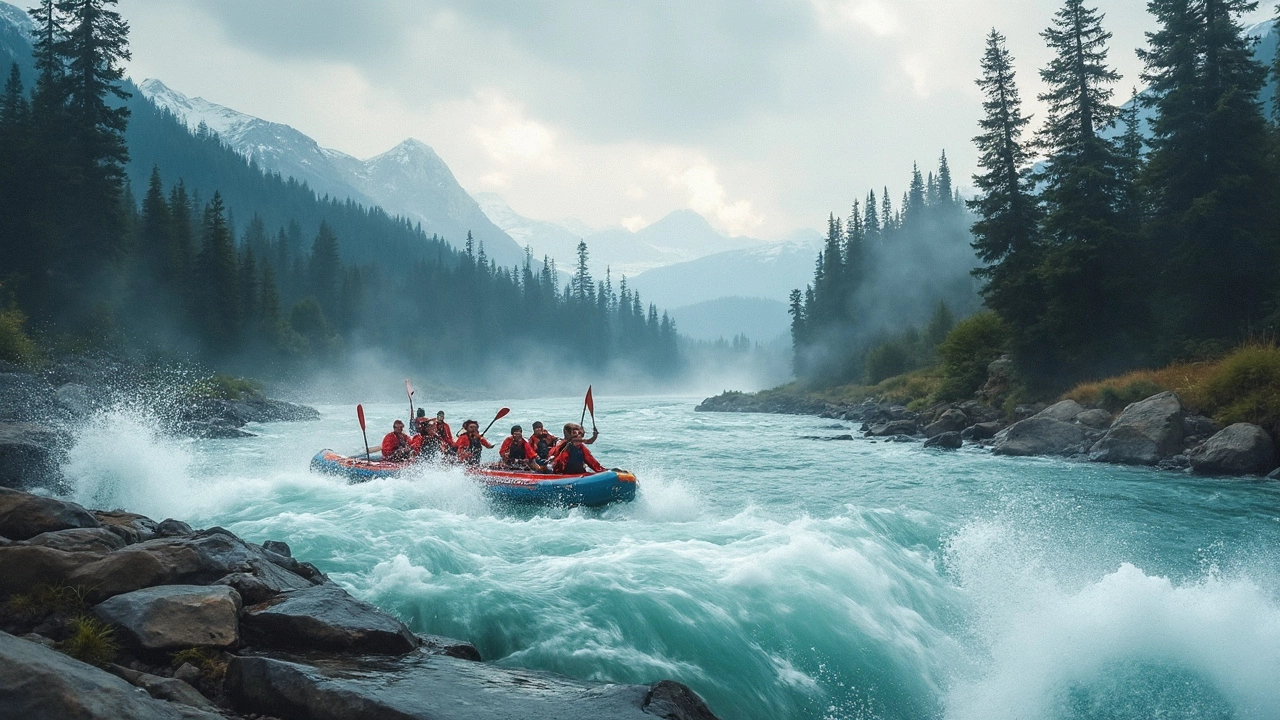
x: 763, y: 115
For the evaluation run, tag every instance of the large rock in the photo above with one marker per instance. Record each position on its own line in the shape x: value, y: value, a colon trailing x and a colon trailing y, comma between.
x: 1097, y: 418
x: 982, y: 430
x: 23, y: 515
x: 29, y: 456
x: 1065, y: 411
x: 1240, y: 449
x: 1146, y: 432
x: 163, y: 688
x: 1040, y: 436
x: 425, y: 687
x: 98, y: 540
x: 37, y: 683
x: 945, y: 441
x: 950, y: 421
x: 22, y: 567
x: 325, y: 617
x: 172, y: 617
x: 894, y: 427
x: 195, y: 560
x: 131, y: 527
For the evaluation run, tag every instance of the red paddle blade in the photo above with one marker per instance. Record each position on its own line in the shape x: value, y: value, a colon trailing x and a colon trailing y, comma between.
x: 502, y: 413
x: 591, y: 403
x: 360, y: 414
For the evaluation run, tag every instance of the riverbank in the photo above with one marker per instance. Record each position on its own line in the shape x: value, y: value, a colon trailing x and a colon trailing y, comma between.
x: 98, y: 603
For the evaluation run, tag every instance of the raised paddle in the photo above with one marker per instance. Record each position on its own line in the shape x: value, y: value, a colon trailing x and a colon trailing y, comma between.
x: 408, y: 388
x: 363, y: 433
x: 501, y: 414
x: 591, y: 407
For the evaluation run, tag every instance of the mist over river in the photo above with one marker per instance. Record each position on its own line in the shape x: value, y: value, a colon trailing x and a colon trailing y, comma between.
x: 777, y: 575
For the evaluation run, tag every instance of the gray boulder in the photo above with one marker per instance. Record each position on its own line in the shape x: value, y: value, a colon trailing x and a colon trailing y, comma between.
x: 163, y: 688
x: 982, y: 430
x: 29, y: 456
x: 1199, y: 425
x: 894, y: 427
x: 173, y: 617
x: 325, y: 617
x: 945, y: 441
x: 1065, y: 411
x: 130, y: 527
x: 98, y: 540
x: 950, y: 421
x: 38, y: 683
x: 427, y: 687
x: 173, y: 528
x: 1039, y: 436
x: 1097, y: 419
x: 23, y: 515
x: 22, y: 567
x: 1239, y: 449
x: 1146, y: 432
x: 198, y: 559
x: 441, y: 645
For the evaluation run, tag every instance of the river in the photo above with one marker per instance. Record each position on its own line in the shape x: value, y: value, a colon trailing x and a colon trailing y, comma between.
x: 778, y: 575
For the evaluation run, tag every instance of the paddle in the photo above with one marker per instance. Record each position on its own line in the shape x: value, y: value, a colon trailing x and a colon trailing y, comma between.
x: 365, y: 434
x: 591, y: 407
x: 501, y: 414
x: 409, y: 389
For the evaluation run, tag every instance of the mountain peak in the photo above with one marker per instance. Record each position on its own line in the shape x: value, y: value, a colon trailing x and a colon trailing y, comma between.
x: 16, y: 16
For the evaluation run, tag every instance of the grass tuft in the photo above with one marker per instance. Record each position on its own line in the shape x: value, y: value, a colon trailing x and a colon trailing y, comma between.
x: 91, y: 641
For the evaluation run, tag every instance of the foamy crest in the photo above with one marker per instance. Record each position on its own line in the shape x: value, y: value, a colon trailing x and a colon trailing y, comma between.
x: 1047, y: 647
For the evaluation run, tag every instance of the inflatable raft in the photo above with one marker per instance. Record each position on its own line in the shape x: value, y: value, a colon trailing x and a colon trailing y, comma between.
x: 591, y: 489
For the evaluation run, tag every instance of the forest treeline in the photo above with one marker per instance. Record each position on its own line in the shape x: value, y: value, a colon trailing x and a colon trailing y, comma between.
x: 1113, y: 237
x: 90, y: 263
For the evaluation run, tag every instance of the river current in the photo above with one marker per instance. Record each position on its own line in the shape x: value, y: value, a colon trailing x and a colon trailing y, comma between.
x: 779, y: 575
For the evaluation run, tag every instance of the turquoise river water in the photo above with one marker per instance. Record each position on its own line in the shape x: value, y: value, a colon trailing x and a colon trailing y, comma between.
x: 779, y: 576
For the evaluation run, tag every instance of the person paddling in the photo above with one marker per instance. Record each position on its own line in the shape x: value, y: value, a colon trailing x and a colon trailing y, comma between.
x: 471, y: 443
x: 516, y: 452
x: 442, y: 427
x: 542, y: 443
x: 396, y: 446
x: 571, y: 456
x: 427, y: 444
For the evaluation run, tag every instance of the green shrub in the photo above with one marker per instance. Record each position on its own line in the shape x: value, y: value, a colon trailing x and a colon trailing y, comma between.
x: 15, y: 345
x: 970, y: 347
x: 885, y: 361
x: 1245, y: 387
x: 91, y: 641
x: 212, y: 667
x: 226, y: 387
x: 1114, y: 399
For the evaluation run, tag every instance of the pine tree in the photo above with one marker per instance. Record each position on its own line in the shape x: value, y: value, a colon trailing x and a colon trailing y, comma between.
x: 583, y: 287
x: 871, y: 220
x: 945, y: 189
x: 1207, y: 180
x: 914, y: 202
x: 1005, y: 233
x: 218, y: 278
x: 325, y: 270
x: 886, y: 212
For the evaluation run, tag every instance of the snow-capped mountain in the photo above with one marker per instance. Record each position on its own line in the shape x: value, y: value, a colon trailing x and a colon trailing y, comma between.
x: 410, y: 179
x: 15, y: 33
x: 769, y: 271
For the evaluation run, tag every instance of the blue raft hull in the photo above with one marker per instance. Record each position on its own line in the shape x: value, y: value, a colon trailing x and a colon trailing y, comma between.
x: 590, y: 490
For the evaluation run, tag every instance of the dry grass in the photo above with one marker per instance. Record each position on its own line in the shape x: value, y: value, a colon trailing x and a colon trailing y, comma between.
x: 44, y: 599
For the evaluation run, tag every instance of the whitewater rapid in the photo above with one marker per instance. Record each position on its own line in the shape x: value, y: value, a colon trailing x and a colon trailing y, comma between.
x: 778, y: 575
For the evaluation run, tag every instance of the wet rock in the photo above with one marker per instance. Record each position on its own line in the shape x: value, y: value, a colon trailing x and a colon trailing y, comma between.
x: 1199, y: 425
x: 1040, y: 436
x: 949, y: 421
x: 26, y: 398
x: 130, y: 527
x: 982, y: 431
x: 252, y: 589
x: 187, y: 673
x: 1064, y: 411
x: 29, y: 456
x: 172, y: 617
x: 23, y: 516
x: 440, y: 645
x: 22, y: 567
x: 278, y: 547
x: 162, y: 688
x: 945, y: 441
x: 1239, y: 449
x: 901, y: 439
x: 443, y: 688
x: 325, y: 617
x: 978, y: 412
x: 173, y: 528
x: 1097, y: 418
x: 98, y: 540
x: 37, y: 682
x: 1174, y: 462
x: 198, y: 559
x: 1274, y: 474
x: 893, y: 427
x: 1144, y: 433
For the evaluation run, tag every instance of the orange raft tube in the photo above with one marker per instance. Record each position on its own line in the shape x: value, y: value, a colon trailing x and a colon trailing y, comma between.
x: 590, y: 489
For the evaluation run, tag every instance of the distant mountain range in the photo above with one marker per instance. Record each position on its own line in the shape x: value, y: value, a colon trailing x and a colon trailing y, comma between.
x: 410, y: 179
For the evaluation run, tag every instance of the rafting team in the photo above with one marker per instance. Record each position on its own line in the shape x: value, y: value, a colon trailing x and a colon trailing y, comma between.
x: 433, y: 440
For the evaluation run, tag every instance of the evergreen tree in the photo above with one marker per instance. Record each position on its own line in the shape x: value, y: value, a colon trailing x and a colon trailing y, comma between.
x: 218, y: 278
x: 583, y: 286
x: 871, y: 220
x: 1005, y: 233
x: 325, y: 270
x: 945, y: 189
x: 913, y: 204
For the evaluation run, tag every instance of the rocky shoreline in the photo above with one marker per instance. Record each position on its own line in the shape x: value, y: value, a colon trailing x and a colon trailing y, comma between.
x: 1157, y: 431
x: 109, y: 614
x: 38, y: 409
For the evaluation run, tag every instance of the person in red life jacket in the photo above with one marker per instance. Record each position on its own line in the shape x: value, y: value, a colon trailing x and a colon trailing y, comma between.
x: 542, y: 443
x: 426, y: 444
x: 571, y: 456
x: 516, y: 452
x: 471, y: 443
x: 442, y: 427
x: 396, y: 446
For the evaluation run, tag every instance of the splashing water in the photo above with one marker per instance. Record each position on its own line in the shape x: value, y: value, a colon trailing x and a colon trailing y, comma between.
x: 779, y: 577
